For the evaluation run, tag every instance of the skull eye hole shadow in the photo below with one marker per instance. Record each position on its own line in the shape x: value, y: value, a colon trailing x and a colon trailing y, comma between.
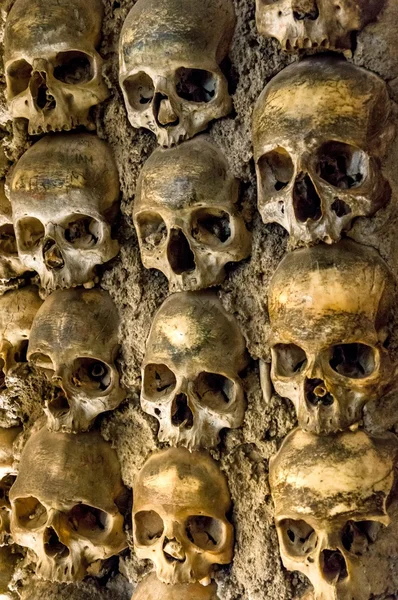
x: 19, y: 73
x: 341, y: 165
x: 299, y: 537
x: 276, y: 170
x: 73, y: 68
x: 196, y: 85
x: 355, y: 361
x: 290, y: 359
x: 204, y: 532
x: 30, y: 513
x: 149, y: 527
x: 140, y: 90
x: 159, y: 381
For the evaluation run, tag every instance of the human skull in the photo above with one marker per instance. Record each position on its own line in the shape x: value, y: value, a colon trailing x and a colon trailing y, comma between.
x: 169, y: 65
x: 7, y: 477
x: 330, y: 496
x: 329, y: 310
x: 53, y: 71
x: 181, y: 501
x: 8, y: 561
x: 302, y: 24
x: 189, y: 383
x: 320, y: 130
x: 152, y: 589
x: 185, y: 215
x: 77, y: 357
x: 64, y: 195
x: 66, y: 503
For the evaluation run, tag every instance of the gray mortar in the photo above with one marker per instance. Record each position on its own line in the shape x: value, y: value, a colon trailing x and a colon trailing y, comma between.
x: 256, y: 573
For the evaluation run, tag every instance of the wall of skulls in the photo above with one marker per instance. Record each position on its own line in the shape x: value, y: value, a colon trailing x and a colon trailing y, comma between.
x: 198, y: 262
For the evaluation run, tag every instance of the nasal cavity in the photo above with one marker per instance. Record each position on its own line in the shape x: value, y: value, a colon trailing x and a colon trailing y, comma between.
x: 40, y: 92
x: 52, y: 255
x: 333, y: 566
x: 164, y: 112
x: 179, y: 253
x: 316, y: 393
x: 306, y: 9
x: 306, y: 202
x: 58, y: 405
x: 53, y: 547
x: 182, y: 416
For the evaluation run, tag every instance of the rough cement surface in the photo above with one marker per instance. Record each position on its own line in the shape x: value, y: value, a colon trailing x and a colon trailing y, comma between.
x: 256, y: 573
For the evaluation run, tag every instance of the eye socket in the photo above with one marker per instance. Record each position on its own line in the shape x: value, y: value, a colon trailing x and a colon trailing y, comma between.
x: 8, y: 243
x: 73, y: 67
x: 211, y: 226
x: 30, y: 513
x: 90, y: 374
x: 88, y: 521
x: 30, y: 231
x: 205, y: 532
x: 139, y: 90
x: 196, y: 85
x: 148, y: 527
x: 357, y: 536
x: 355, y: 361
x: 82, y: 231
x: 214, y: 390
x: 299, y: 538
x: 342, y: 165
x: 19, y: 73
x: 159, y: 381
x: 290, y: 359
x: 5, y: 485
x: 152, y: 230
x: 276, y: 170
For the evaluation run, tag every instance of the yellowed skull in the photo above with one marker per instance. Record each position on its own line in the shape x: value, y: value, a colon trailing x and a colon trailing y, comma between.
x: 169, y: 65
x: 152, y: 589
x: 330, y: 496
x: 11, y: 267
x: 53, y: 70
x: 66, y: 503
x: 180, y: 523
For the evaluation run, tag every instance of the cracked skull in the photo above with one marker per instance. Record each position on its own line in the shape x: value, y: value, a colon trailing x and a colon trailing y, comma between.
x: 331, y: 496
x: 152, y: 589
x: 320, y: 130
x: 68, y: 522
x: 53, y: 71
x: 189, y: 383
x: 74, y: 340
x: 7, y: 478
x: 329, y: 310
x: 169, y: 66
x: 64, y: 194
x: 186, y: 218
x: 302, y: 24
x: 181, y: 501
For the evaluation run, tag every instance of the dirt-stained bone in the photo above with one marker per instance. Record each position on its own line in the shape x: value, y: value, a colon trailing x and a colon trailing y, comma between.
x: 186, y: 217
x: 303, y: 24
x: 329, y: 309
x: 53, y: 71
x: 180, y: 523
x: 7, y: 477
x: 8, y: 561
x: 330, y: 495
x: 78, y: 357
x: 190, y: 383
x: 66, y: 503
x: 64, y: 195
x: 320, y: 130
x: 152, y: 589
x: 169, y: 65
x: 11, y: 267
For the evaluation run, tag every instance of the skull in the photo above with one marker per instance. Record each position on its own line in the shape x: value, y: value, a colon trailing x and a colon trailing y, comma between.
x: 189, y: 383
x: 18, y: 308
x: 64, y: 192
x: 70, y: 521
x: 185, y: 215
x: 330, y: 496
x: 8, y: 561
x: 320, y: 130
x: 303, y: 24
x: 77, y: 356
x: 153, y: 589
x: 53, y: 71
x: 11, y: 268
x: 329, y: 309
x: 181, y: 500
x: 169, y: 65
x: 7, y: 477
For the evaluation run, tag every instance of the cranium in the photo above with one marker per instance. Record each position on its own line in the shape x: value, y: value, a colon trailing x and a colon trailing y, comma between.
x: 330, y: 496
x: 320, y: 130
x: 8, y: 561
x: 169, y: 65
x: 303, y: 24
x: 186, y: 217
x: 153, y: 589
x: 329, y: 309
x: 189, y: 383
x: 64, y: 192
x: 78, y: 357
x: 69, y: 522
x: 53, y: 71
x: 11, y: 268
x: 181, y: 501
x: 7, y: 477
